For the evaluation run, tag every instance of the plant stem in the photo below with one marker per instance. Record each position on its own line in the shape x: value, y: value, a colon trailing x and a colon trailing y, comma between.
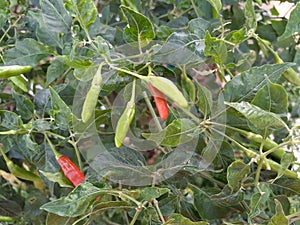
x: 128, y: 72
x: 155, y: 202
x: 77, y: 152
x: 6, y: 159
x: 211, y: 179
x: 56, y: 153
x: 188, y: 113
x: 196, y: 9
x: 155, y: 118
x: 136, y: 215
x: 58, y: 136
x: 156, y: 121
x: 7, y: 30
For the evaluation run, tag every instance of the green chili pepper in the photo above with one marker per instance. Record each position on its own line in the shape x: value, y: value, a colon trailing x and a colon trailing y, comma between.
x: 125, y: 119
x: 92, y: 96
x: 268, y: 144
x: 268, y: 163
x: 290, y: 74
x: 188, y: 85
x: 7, y: 219
x: 14, y: 70
x: 18, y: 171
x: 168, y: 88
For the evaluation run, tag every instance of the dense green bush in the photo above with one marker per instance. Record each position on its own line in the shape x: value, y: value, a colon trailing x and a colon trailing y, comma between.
x: 74, y: 82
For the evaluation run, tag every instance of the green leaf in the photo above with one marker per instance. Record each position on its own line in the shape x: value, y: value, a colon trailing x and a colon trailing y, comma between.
x: 258, y: 201
x: 206, y: 207
x: 60, y: 111
x: 237, y: 36
x: 20, y: 82
x: 27, y: 147
x: 198, y: 26
x: 84, y: 11
x: 102, y: 47
x: 86, y: 73
x: 286, y: 186
x: 116, y: 205
x: 279, y: 217
x: 58, y: 177
x: 150, y: 193
x: 273, y: 98
x: 24, y: 106
x: 53, y: 219
x: 245, y: 86
x: 139, y: 29
x: 246, y: 61
x: 287, y: 159
x: 216, y: 4
x: 227, y: 198
x: 57, y: 69
x: 178, y: 219
x: 250, y: 15
x: 236, y: 172
x: 10, y: 120
x: 53, y: 22
x: 55, y: 17
x: 178, y: 132
x: 181, y: 49
x: 292, y: 28
x: 205, y: 100
x: 76, y: 203
x: 4, y: 13
x: 260, y: 118
x: 216, y: 48
x: 27, y: 52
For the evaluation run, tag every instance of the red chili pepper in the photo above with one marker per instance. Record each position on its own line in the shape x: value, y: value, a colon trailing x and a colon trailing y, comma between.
x: 160, y: 101
x: 70, y: 170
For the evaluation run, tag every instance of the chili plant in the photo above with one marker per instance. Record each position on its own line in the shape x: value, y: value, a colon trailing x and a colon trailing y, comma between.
x: 149, y: 112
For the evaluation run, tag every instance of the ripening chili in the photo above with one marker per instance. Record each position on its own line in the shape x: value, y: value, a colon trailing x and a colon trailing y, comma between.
x: 160, y: 101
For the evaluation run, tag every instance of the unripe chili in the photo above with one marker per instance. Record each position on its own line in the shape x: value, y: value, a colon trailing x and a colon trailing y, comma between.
x: 160, y: 101
x: 19, y: 171
x: 168, y: 88
x: 125, y: 120
x: 13, y: 70
x: 92, y: 96
x: 188, y: 85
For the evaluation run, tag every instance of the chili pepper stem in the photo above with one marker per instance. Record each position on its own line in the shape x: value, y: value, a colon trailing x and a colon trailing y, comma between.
x: 56, y: 153
x: 153, y: 114
x: 4, y: 155
x: 77, y: 152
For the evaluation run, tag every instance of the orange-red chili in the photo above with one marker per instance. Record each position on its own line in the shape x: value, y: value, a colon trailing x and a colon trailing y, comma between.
x: 70, y: 170
x: 160, y: 101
